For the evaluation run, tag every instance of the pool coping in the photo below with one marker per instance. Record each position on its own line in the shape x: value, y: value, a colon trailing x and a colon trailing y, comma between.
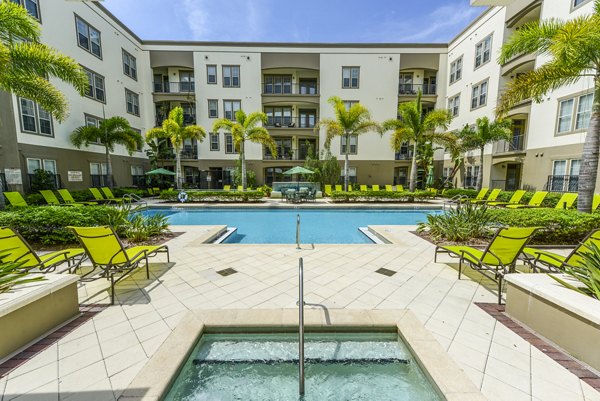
x: 157, y: 375
x: 273, y: 205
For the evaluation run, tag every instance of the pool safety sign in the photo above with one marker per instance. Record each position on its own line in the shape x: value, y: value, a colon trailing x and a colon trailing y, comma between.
x: 13, y: 176
x: 75, y: 176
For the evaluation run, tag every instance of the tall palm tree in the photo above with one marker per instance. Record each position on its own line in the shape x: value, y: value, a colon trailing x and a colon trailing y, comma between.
x: 26, y: 64
x: 173, y: 128
x: 413, y: 126
x: 571, y: 51
x: 110, y: 132
x: 245, y: 128
x: 483, y: 133
x: 455, y: 146
x: 347, y: 123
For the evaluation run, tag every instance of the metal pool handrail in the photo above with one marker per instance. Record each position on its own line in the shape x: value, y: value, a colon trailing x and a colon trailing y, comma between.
x: 297, y: 231
x: 301, y: 327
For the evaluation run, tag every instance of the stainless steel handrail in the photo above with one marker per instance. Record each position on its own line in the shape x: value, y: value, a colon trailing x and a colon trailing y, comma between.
x: 301, y: 328
x: 133, y: 197
x: 298, y: 231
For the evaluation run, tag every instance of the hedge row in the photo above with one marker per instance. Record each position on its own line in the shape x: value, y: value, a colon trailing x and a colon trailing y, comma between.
x: 380, y: 196
x: 214, y: 196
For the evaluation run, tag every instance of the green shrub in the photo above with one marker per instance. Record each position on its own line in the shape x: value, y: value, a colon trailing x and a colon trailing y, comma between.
x: 587, y: 273
x: 35, y: 199
x: 463, y: 223
x: 380, y: 196
x: 12, y: 275
x: 451, y: 193
x: 550, y: 201
x: 214, y: 196
x: 266, y: 190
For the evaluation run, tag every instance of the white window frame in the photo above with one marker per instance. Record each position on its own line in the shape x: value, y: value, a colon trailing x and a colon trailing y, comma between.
x: 230, y: 75
x: 137, y: 170
x: 38, y: 115
x: 209, y: 75
x: 229, y: 104
x: 352, y: 138
x: 93, y: 86
x: 456, y: 70
x: 586, y: 113
x: 573, y: 125
x: 24, y: 3
x: 575, y: 6
x: 129, y: 65
x: 214, y: 140
x: 132, y: 102
x: 454, y: 105
x: 43, y: 165
x: 349, y: 103
x: 102, y: 167
x: 88, y: 34
x: 483, y: 51
x: 350, y: 71
x: 229, y: 145
x: 214, y: 102
x: 480, y: 91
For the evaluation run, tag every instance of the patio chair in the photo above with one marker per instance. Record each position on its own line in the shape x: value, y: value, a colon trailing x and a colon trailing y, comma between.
x: 312, y: 195
x: 226, y: 188
x: 363, y: 188
x: 541, y: 259
x: 389, y: 188
x: 399, y: 188
x: 15, y: 199
x: 68, y: 198
x: 109, y: 195
x: 596, y: 202
x: 566, y: 201
x: 327, y: 190
x: 497, y: 259
x: 481, y: 194
x: 240, y: 188
x: 491, y: 198
x: 98, y: 196
x: 514, y: 199
x: 375, y: 188
x: 105, y: 250
x: 535, y: 201
x: 350, y: 188
x: 338, y: 188
x: 21, y: 252
x: 51, y: 199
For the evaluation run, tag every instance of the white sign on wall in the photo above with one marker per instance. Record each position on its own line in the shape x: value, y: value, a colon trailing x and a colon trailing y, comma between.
x: 13, y: 176
x: 75, y: 176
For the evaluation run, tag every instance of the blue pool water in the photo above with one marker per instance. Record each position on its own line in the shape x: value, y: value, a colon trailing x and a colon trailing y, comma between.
x: 278, y: 226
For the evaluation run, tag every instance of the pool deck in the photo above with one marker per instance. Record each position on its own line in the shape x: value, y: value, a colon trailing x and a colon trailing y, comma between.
x: 97, y: 358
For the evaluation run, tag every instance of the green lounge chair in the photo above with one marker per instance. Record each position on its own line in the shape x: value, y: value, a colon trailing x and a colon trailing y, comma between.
x: 491, y: 198
x: 19, y: 251
x: 350, y: 188
x: 15, y: 199
x: 327, y: 190
x: 226, y: 188
x: 106, y: 251
x: 363, y: 188
x: 481, y: 194
x: 375, y: 188
x: 514, y: 199
x: 596, y: 202
x: 389, y: 188
x: 399, y: 188
x: 68, y: 198
x: 535, y: 201
x: 109, y: 195
x: 240, y: 188
x: 51, y: 199
x: 98, y: 196
x: 338, y: 188
x: 541, y: 259
x: 566, y: 201
x: 497, y: 259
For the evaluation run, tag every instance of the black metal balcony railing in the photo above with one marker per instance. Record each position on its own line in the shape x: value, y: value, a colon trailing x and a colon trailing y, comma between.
x: 188, y: 119
x: 412, y: 89
x: 516, y: 144
x: 306, y: 89
x: 185, y: 154
x: 288, y: 154
x: 562, y: 183
x: 306, y: 121
x: 174, y: 87
x: 403, y: 155
x: 98, y: 180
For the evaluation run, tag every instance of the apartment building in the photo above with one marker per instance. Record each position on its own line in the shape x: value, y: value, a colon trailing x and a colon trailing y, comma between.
x: 291, y: 82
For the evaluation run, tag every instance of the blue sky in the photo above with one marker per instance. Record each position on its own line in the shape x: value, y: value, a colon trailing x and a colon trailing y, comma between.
x: 296, y: 21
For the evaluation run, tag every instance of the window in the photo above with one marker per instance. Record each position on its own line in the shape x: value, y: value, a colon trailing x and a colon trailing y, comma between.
x: 483, y: 51
x: 231, y: 107
x: 353, y: 145
x: 132, y: 100
x: 129, y: 65
x: 137, y: 170
x: 98, y: 174
x: 31, y: 6
x: 95, y: 89
x: 88, y: 37
x: 213, y: 108
x: 351, y: 175
x: 479, y: 95
x: 93, y: 121
x: 349, y: 103
x: 34, y: 119
x: 454, y: 105
x: 231, y: 76
x: 214, y: 141
x: 137, y: 148
x: 574, y: 113
x: 211, y: 74
x: 565, y: 115
x: 577, y: 3
x: 456, y: 70
x: 186, y: 81
x: 276, y: 84
x: 584, y: 111
x: 350, y: 77
x: 279, y: 116
x: 229, y: 147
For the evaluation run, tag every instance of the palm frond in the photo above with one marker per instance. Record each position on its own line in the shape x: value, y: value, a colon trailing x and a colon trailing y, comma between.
x: 39, y: 90
x: 532, y: 38
x: 156, y: 134
x: 438, y: 118
x: 224, y: 124
x: 15, y: 22
x: 261, y: 135
x: 84, y: 135
x: 400, y: 136
x: 176, y: 116
x: 366, y: 126
x: 194, y: 132
x: 254, y: 118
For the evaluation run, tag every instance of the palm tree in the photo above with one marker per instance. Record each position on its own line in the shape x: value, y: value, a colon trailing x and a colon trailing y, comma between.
x: 483, y: 133
x: 173, y: 128
x: 456, y: 148
x: 110, y: 132
x: 347, y: 123
x: 413, y: 126
x: 26, y: 64
x: 245, y: 128
x: 571, y: 51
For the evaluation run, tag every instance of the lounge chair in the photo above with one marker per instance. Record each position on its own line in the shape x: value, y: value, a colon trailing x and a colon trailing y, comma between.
x: 21, y: 252
x: 350, y: 188
x: 98, y: 196
x: 541, y: 259
x: 15, y: 199
x: 327, y: 190
x: 514, y: 199
x: 240, y: 188
x: 68, y: 198
x: 389, y: 188
x: 363, y: 188
x: 535, y: 201
x: 51, y: 199
x: 399, y: 188
x: 375, y: 188
x: 481, y: 194
x: 491, y: 198
x: 338, y: 188
x: 106, y: 251
x: 109, y: 195
x: 226, y: 188
x: 596, y: 202
x: 497, y: 259
x: 566, y: 201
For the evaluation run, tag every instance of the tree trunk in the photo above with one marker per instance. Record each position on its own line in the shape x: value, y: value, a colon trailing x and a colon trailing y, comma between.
x: 109, y: 177
x: 178, y: 176
x: 413, y: 170
x: 480, y: 176
x: 346, y: 162
x: 2, y: 201
x: 589, y: 162
x: 243, y: 157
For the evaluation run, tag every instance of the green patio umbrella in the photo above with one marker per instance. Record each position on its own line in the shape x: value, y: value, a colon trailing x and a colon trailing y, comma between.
x: 430, y: 178
x: 298, y: 170
x: 160, y: 171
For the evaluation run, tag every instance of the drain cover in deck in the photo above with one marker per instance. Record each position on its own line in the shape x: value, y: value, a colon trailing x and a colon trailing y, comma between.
x: 228, y: 272
x: 385, y: 272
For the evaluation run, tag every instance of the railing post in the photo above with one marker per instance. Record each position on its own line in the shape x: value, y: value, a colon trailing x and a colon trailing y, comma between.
x: 298, y: 231
x: 301, y: 328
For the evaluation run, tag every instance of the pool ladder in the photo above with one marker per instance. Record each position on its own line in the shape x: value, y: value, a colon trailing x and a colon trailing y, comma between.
x: 297, y: 231
x: 301, y: 326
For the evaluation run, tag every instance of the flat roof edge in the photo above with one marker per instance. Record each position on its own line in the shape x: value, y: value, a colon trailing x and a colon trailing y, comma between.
x: 293, y: 44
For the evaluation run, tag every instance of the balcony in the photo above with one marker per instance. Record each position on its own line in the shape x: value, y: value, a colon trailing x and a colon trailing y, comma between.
x: 403, y: 155
x: 413, y: 89
x: 287, y: 154
x: 562, y: 183
x: 290, y: 89
x: 516, y: 144
x: 186, y: 154
x: 174, y: 87
x: 304, y: 122
x: 188, y: 119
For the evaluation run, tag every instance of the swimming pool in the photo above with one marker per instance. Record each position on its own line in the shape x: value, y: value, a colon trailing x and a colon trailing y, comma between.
x: 278, y: 226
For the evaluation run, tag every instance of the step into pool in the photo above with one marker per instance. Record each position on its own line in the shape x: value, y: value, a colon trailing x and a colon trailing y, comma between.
x: 278, y: 226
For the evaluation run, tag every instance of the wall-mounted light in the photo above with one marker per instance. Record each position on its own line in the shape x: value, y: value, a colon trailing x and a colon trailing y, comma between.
x: 247, y: 57
x: 205, y: 57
